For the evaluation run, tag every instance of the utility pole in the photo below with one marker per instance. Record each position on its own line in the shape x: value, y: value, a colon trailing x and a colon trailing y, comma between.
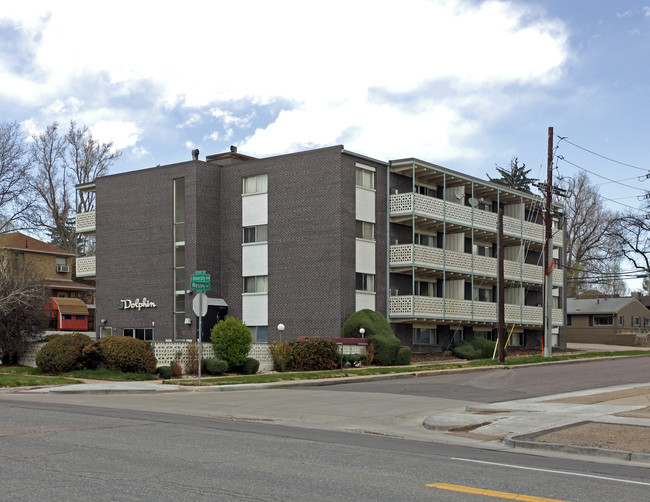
x: 501, y: 321
x: 548, y: 252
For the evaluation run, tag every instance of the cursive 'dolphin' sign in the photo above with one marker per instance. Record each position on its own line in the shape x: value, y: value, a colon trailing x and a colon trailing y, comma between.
x: 136, y: 304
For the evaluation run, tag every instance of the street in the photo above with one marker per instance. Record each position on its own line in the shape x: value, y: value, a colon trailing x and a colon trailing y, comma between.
x: 284, y: 444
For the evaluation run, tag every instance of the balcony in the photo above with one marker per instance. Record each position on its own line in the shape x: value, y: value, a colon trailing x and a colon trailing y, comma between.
x: 425, y: 307
x: 86, y: 222
x: 86, y: 266
x: 414, y: 255
x: 404, y: 204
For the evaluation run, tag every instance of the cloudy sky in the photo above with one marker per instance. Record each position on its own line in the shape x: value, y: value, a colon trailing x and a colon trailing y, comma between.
x: 466, y: 84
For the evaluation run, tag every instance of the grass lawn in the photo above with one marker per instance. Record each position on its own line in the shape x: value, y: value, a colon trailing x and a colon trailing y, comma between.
x: 19, y: 380
x: 385, y: 370
x: 24, y: 376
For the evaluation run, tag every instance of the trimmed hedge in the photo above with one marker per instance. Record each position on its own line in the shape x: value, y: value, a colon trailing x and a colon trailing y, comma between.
x: 378, y: 333
x: 231, y: 340
x: 313, y: 354
x: 121, y: 353
x: 215, y: 366
x: 63, y: 353
x: 475, y: 348
x: 250, y: 366
x: 165, y: 372
x: 403, y: 356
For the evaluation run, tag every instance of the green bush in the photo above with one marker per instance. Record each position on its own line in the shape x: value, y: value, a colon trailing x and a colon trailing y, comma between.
x: 232, y: 340
x: 250, y: 366
x: 378, y: 333
x: 281, y: 355
x: 215, y: 366
x: 121, y: 353
x: 63, y: 353
x: 475, y: 348
x: 313, y: 354
x: 403, y: 356
x: 165, y: 372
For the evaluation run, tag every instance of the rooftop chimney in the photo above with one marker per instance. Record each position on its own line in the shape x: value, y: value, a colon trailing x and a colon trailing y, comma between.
x: 195, y: 154
x: 233, y: 149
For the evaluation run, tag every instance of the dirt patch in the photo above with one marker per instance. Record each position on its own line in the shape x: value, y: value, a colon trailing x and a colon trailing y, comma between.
x: 641, y: 413
x: 603, y: 396
x: 621, y: 437
x: 467, y: 428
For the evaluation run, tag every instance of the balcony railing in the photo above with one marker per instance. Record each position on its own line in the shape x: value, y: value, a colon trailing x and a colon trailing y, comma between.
x: 86, y: 266
x: 465, y: 310
x: 437, y: 209
x: 406, y: 255
x: 86, y: 222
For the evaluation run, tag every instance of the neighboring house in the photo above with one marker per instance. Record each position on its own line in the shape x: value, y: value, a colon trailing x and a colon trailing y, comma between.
x: 67, y: 314
x: 612, y: 321
x: 308, y: 238
x: 52, y: 265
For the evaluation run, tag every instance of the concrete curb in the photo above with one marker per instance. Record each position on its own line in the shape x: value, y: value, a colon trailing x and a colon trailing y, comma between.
x: 516, y: 442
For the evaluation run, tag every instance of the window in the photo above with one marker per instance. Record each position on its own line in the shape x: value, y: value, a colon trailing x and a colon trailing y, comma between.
x: 483, y: 295
x: 365, y: 282
x: 568, y: 320
x: 365, y: 178
x: 179, y: 257
x: 258, y: 233
x: 483, y: 250
x: 67, y: 317
x: 425, y: 336
x: 637, y: 321
x: 426, y: 240
x: 365, y: 230
x: 429, y: 192
x: 139, y: 333
x: 256, y: 184
x: 424, y: 288
x: 256, y: 284
x: 646, y: 322
x: 603, y: 320
x: 621, y: 320
x: 260, y: 334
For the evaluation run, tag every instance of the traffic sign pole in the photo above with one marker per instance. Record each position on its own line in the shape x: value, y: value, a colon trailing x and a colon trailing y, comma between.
x: 200, y: 282
x: 200, y: 333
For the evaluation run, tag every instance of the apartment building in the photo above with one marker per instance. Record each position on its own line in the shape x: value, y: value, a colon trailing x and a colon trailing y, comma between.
x: 308, y: 238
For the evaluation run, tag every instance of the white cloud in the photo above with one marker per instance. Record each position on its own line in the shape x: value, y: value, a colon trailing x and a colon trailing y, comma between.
x: 193, y: 120
x: 122, y: 134
x: 322, y: 59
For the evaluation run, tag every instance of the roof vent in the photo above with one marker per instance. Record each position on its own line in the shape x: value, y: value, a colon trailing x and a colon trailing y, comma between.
x: 195, y: 154
x: 233, y: 149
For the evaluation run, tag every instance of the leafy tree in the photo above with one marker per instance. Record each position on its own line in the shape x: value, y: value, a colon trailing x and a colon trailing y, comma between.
x: 515, y: 176
x: 59, y: 162
x: 22, y: 317
x: 16, y: 198
x: 232, y: 340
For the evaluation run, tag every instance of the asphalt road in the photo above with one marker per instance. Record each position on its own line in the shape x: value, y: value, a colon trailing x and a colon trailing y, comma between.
x: 63, y: 452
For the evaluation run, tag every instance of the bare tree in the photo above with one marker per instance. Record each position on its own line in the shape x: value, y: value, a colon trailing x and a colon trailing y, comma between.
x: 22, y: 298
x: 631, y: 239
x: 59, y: 163
x: 589, y: 224
x: 16, y: 198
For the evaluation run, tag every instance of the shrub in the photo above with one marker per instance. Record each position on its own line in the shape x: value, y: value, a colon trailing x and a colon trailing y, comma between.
x: 378, y: 332
x: 214, y: 366
x: 475, y: 348
x: 165, y: 372
x: 313, y: 354
x: 281, y: 355
x: 121, y: 353
x: 192, y: 367
x: 403, y: 356
x: 232, y: 340
x: 177, y: 369
x: 250, y: 366
x: 63, y: 353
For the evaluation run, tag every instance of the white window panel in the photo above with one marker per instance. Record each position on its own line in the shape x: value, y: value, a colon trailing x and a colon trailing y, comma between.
x: 255, y: 259
x: 255, y: 309
x: 255, y: 209
x: 365, y: 257
x: 365, y: 301
x: 365, y: 205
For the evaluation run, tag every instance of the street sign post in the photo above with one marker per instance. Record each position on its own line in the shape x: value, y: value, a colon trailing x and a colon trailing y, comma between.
x: 200, y: 282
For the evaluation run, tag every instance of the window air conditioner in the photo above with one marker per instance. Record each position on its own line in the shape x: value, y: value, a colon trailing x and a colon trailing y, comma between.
x: 62, y: 268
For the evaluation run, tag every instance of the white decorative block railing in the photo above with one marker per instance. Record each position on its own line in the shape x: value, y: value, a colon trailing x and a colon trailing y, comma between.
x: 404, y: 255
x: 465, y: 310
x: 405, y: 203
x: 86, y: 222
x: 86, y: 266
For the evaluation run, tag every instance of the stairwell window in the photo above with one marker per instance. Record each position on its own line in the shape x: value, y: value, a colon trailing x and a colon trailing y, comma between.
x: 365, y: 282
x: 365, y: 178
x: 365, y: 230
x: 256, y: 284
x: 257, y: 233
x: 256, y: 184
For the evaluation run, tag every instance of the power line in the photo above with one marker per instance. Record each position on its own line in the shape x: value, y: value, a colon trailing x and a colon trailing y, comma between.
x: 599, y: 175
x: 599, y: 155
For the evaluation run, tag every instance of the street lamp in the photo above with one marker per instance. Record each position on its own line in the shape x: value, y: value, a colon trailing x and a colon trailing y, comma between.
x: 362, y: 332
x: 280, y: 329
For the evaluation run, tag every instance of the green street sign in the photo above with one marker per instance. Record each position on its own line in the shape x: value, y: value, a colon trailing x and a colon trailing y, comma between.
x: 200, y: 281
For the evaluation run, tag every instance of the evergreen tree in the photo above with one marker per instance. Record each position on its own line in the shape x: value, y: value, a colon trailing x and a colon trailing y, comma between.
x: 516, y: 176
